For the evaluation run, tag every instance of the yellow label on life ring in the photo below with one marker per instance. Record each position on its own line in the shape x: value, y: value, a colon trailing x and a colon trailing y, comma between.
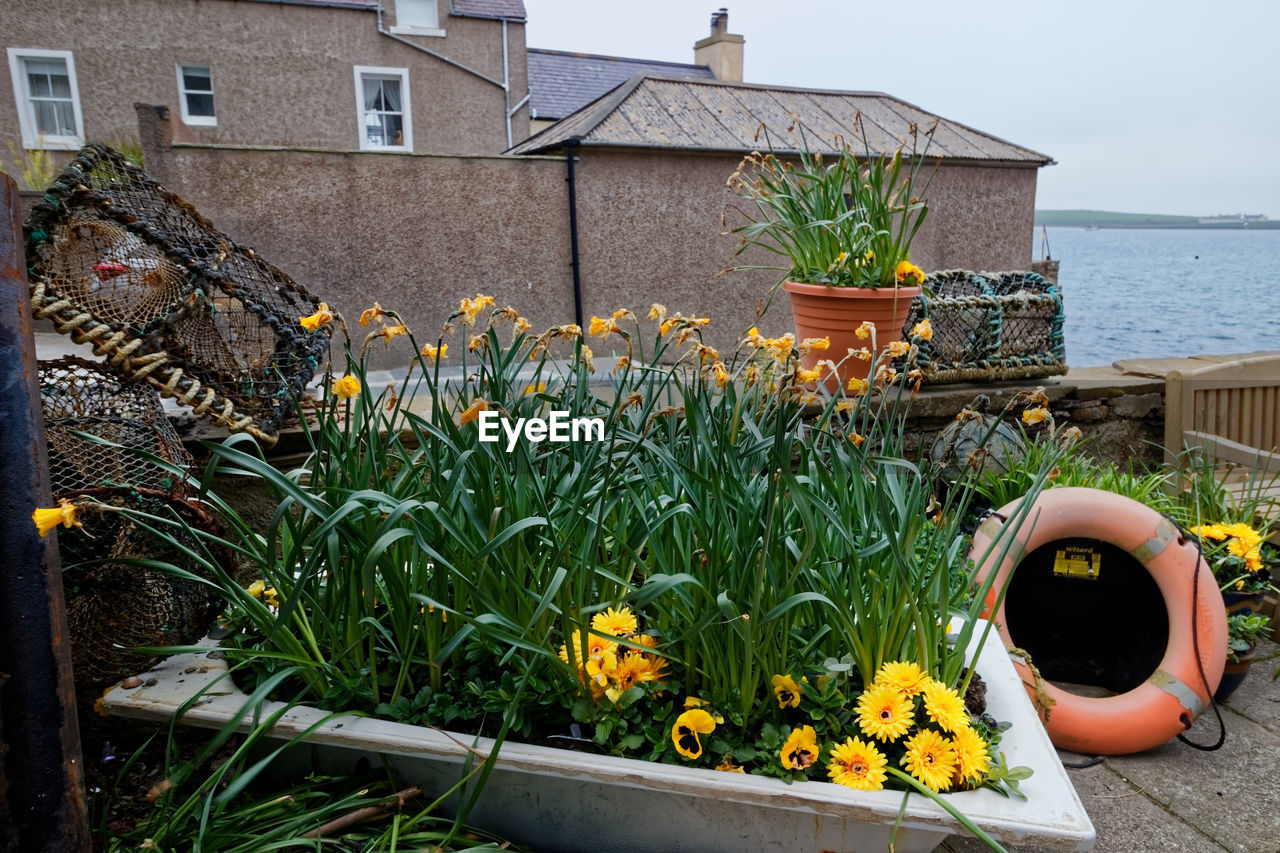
x: 1077, y: 562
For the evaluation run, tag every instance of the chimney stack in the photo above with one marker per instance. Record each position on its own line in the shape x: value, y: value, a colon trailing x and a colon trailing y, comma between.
x: 721, y: 50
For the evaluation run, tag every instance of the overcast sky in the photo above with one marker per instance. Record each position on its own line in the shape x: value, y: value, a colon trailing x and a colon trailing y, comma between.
x: 1147, y: 107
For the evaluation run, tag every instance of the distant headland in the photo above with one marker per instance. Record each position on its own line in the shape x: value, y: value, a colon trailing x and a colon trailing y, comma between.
x: 1094, y: 219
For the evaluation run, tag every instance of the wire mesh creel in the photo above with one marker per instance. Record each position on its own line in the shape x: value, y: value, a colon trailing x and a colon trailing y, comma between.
x: 119, y: 262
x: 989, y: 326
x: 114, y: 603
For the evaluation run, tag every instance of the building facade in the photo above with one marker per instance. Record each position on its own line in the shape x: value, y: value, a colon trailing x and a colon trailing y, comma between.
x: 394, y: 76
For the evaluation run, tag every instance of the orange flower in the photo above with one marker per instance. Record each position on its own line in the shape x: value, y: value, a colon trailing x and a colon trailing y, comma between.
x: 346, y: 387
x: 435, y: 353
x: 472, y: 412
x: 47, y: 519
x: 322, y: 317
x: 370, y: 314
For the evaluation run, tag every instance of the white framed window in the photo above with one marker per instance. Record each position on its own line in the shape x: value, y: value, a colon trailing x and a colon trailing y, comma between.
x: 418, y: 18
x: 195, y: 95
x: 47, y: 97
x: 382, y: 109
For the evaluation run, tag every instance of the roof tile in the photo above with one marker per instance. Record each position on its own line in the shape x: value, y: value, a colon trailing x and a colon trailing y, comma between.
x: 511, y: 10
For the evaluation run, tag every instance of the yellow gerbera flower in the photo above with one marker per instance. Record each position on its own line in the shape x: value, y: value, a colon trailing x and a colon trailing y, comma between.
x: 47, y: 519
x: 884, y: 713
x: 786, y: 691
x: 435, y: 353
x: 690, y: 724
x: 322, y: 317
x: 1034, y: 416
x: 346, y: 387
x: 619, y: 623
x: 908, y: 274
x: 472, y: 412
x: 866, y: 330
x: 945, y: 707
x: 973, y: 757
x: 904, y: 676
x: 931, y: 758
x: 801, y: 749
x: 857, y: 764
x: 634, y: 668
x: 923, y: 330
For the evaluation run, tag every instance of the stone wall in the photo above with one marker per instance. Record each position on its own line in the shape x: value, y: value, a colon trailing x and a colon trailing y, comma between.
x: 1121, y: 416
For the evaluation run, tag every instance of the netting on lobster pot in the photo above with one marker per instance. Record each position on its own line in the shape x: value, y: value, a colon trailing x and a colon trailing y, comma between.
x: 119, y: 262
x: 112, y: 451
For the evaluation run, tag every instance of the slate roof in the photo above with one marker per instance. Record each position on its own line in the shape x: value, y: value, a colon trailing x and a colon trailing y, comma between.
x: 675, y: 113
x: 561, y: 83
x: 510, y: 10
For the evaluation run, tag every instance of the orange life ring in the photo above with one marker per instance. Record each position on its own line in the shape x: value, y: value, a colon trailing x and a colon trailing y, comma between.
x: 1176, y: 692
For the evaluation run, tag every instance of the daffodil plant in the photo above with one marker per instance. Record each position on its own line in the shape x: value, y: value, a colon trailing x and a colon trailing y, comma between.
x: 845, y: 220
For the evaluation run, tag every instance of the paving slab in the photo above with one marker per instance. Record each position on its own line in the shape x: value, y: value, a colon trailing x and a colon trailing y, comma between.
x: 1125, y: 820
x: 1231, y: 795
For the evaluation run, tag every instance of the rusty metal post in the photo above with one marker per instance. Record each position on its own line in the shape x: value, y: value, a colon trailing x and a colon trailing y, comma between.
x: 42, y: 803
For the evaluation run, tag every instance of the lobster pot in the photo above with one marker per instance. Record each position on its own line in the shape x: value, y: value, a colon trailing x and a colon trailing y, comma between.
x: 118, y: 262
x: 112, y: 451
x: 989, y: 326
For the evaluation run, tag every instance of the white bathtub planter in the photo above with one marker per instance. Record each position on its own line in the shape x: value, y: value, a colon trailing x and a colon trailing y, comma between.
x: 561, y: 801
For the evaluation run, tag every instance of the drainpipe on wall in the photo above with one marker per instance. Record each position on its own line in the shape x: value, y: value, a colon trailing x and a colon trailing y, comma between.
x: 573, y: 230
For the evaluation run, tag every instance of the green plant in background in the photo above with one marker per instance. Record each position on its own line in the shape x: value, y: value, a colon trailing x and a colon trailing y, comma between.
x: 846, y: 223
x: 36, y: 166
x: 1243, y: 632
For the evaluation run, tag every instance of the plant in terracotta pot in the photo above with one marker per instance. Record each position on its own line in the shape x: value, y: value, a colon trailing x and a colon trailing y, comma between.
x: 843, y: 227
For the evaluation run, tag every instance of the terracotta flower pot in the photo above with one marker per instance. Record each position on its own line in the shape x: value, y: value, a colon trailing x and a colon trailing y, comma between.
x: 1234, y: 673
x: 837, y: 312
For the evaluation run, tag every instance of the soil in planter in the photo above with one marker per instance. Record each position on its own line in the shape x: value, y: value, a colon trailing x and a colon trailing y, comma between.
x: 1090, y: 615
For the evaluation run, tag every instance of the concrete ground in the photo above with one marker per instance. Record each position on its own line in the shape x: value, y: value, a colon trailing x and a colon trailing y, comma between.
x: 1175, y: 799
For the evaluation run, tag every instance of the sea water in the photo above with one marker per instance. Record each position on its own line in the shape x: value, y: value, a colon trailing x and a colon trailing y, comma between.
x: 1130, y: 293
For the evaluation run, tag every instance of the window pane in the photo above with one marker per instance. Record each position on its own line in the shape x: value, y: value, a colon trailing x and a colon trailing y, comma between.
x: 196, y: 78
x: 199, y: 105
x: 394, y: 129
x: 61, y: 84
x: 54, y: 118
x: 416, y: 13
x: 38, y: 83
